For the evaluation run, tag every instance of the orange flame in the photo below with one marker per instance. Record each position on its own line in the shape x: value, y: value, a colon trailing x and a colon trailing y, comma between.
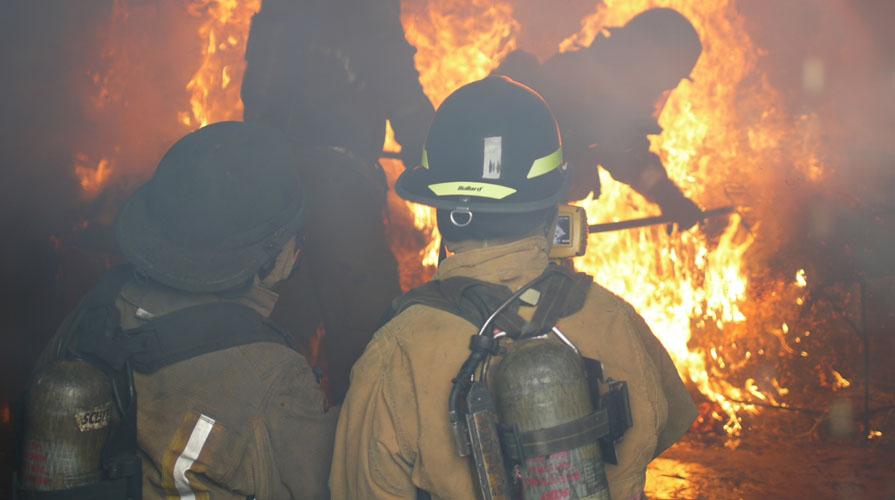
x: 214, y: 88
x: 719, y: 129
x: 712, y: 139
x: 683, y: 283
x: 92, y: 179
x: 457, y: 42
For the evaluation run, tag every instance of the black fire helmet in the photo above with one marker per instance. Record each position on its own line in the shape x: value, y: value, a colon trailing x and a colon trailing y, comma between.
x: 493, y: 147
x: 221, y: 205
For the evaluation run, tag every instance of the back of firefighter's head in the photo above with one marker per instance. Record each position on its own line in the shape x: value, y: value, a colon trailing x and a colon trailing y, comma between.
x: 492, y: 164
x: 223, y: 209
x: 659, y: 45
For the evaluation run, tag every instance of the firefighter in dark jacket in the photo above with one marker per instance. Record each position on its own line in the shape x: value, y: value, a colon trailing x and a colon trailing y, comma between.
x: 207, y: 239
x: 329, y: 74
x: 606, y: 98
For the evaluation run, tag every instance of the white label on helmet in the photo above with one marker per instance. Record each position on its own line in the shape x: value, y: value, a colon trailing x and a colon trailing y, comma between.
x: 493, y: 154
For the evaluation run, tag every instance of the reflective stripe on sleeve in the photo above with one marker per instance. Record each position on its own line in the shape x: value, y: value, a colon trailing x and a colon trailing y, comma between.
x: 190, y: 454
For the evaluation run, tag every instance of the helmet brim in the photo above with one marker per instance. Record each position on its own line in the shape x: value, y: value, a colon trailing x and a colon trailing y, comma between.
x: 141, y: 238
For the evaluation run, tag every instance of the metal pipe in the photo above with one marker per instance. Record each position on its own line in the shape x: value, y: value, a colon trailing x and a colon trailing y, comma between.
x: 653, y: 221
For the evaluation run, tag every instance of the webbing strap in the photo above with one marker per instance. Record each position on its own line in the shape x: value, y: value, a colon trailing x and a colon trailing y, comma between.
x: 561, y: 294
x: 184, y: 334
x: 468, y: 298
x: 580, y: 432
x: 103, y: 490
x: 97, y: 314
x: 554, y: 293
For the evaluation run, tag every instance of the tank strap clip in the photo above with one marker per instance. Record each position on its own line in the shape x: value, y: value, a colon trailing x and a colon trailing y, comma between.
x: 484, y: 343
x: 615, y: 401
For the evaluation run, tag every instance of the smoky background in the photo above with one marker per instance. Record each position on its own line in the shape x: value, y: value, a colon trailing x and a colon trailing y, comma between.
x: 81, y: 81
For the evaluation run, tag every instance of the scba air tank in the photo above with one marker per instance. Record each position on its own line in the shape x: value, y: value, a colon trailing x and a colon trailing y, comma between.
x: 542, y: 394
x: 67, y: 421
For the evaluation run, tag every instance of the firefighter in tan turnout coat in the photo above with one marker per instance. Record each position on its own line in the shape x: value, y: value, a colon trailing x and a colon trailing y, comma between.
x: 493, y: 168
x: 225, y: 407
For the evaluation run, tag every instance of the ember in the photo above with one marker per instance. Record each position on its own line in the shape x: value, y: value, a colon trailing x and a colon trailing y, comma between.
x: 92, y: 179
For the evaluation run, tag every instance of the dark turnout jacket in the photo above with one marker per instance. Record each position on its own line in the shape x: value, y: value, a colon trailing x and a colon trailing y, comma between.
x: 329, y: 73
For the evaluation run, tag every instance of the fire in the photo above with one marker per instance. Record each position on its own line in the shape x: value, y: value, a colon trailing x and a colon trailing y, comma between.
x: 457, y: 42
x: 684, y: 284
x: 840, y: 382
x: 214, y: 88
x: 688, y: 284
x: 92, y: 178
x: 719, y: 130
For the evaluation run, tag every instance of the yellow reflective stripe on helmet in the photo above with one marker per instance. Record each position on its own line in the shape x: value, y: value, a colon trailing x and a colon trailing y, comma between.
x: 425, y: 161
x: 545, y: 164
x: 480, y: 189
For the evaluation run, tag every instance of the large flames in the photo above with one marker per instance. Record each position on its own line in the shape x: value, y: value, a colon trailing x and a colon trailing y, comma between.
x: 683, y: 284
x: 719, y: 130
x: 214, y: 88
x: 457, y: 42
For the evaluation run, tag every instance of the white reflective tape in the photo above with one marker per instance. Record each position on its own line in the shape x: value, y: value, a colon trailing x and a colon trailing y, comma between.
x: 190, y: 454
x: 493, y: 157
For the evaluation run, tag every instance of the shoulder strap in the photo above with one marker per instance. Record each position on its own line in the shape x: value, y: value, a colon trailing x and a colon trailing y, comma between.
x: 561, y: 294
x: 184, y: 334
x: 97, y: 314
x: 468, y: 298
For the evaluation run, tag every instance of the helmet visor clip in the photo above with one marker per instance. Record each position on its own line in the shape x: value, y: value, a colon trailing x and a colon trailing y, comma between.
x: 461, y: 217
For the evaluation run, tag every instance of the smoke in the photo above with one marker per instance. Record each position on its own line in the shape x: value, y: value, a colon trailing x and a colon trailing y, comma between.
x: 834, y: 67
x: 103, y: 80
x: 81, y: 83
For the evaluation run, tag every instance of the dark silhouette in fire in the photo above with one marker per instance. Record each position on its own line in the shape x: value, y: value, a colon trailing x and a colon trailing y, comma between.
x: 606, y: 98
x: 329, y: 75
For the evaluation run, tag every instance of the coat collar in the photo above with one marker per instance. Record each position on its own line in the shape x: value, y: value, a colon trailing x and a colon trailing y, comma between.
x: 151, y: 299
x: 511, y: 264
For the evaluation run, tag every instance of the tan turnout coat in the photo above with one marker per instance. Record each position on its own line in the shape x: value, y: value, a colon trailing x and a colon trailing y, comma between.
x: 393, y: 434
x: 248, y: 421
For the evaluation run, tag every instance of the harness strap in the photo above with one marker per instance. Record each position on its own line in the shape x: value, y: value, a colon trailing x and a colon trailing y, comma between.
x: 520, y: 446
x: 562, y: 294
x: 103, y: 490
x: 182, y: 335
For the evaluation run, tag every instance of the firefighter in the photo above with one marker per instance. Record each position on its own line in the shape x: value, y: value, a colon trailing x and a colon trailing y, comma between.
x: 493, y: 168
x: 607, y: 97
x: 221, y: 402
x: 329, y: 74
